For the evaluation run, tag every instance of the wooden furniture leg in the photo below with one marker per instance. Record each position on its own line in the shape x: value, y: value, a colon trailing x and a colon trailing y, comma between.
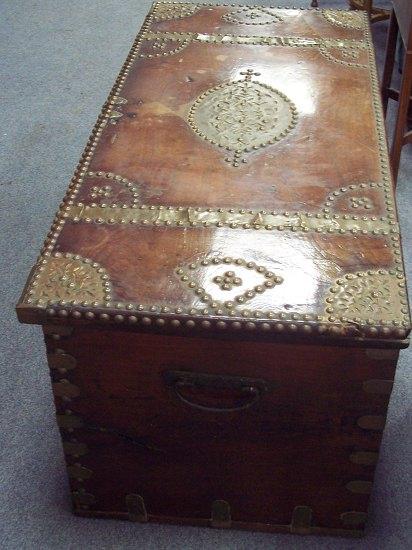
x: 375, y: 14
x: 400, y: 137
x: 389, y: 59
x: 368, y: 7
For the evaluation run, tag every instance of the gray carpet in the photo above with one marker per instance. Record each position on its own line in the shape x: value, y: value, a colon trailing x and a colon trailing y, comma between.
x: 59, y: 60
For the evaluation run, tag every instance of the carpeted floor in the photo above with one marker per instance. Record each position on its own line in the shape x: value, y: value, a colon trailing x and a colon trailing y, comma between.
x: 59, y: 60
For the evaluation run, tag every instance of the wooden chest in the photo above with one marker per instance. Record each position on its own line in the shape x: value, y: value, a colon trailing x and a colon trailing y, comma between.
x: 222, y: 291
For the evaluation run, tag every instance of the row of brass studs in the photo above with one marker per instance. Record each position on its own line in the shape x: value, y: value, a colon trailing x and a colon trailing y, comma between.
x: 130, y: 186
x: 248, y: 40
x: 328, y: 14
x: 328, y: 55
x: 270, y: 280
x: 173, y: 51
x: 282, y: 8
x: 383, y: 149
x: 251, y: 15
x: 360, y: 186
x: 334, y: 330
x: 233, y: 218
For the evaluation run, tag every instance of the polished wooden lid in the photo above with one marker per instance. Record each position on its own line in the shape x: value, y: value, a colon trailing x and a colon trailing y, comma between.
x: 236, y: 181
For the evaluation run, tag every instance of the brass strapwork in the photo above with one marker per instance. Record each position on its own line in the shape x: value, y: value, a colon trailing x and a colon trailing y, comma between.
x: 221, y: 516
x: 136, y: 508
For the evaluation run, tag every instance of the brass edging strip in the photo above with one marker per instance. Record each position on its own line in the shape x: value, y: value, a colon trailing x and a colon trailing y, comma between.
x: 288, y: 41
x: 241, y: 219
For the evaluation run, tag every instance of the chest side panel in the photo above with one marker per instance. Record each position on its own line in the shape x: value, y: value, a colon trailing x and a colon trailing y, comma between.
x: 183, y: 423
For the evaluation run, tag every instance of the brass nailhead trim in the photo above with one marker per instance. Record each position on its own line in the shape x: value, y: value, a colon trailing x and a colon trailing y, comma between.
x: 372, y: 422
x: 221, y: 516
x: 136, y: 508
x: 380, y: 387
x: 301, y: 520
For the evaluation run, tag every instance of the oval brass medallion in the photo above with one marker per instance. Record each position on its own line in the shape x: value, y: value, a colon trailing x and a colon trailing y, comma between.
x: 242, y: 116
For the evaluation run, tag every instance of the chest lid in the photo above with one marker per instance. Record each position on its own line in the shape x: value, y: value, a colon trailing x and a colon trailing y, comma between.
x: 237, y: 180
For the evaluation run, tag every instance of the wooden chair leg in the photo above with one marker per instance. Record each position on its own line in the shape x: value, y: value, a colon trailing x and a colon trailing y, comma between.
x: 390, y: 53
x: 368, y: 7
x: 404, y: 96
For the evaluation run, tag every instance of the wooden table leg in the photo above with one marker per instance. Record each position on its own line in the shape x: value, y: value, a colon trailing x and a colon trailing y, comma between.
x: 375, y: 14
x: 400, y: 138
x: 390, y: 52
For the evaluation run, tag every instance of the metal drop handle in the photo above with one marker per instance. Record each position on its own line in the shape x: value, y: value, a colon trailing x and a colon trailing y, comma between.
x: 250, y: 389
